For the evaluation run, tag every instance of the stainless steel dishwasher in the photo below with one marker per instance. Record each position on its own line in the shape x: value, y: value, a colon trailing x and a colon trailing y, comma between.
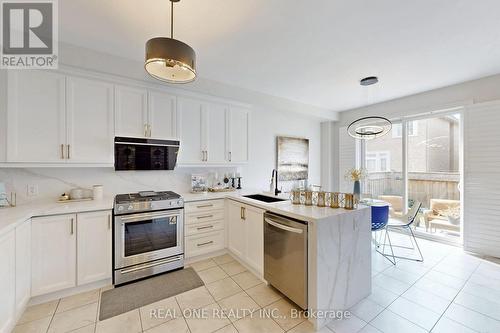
x: 285, y: 256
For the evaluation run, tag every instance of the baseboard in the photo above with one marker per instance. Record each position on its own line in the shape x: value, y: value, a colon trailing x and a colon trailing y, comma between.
x: 68, y: 292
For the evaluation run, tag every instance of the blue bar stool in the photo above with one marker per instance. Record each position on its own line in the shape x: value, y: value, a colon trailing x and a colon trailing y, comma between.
x: 380, y: 219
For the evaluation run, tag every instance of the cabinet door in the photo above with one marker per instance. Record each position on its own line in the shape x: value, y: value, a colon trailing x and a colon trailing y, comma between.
x: 7, y: 281
x: 162, y: 115
x: 90, y: 128
x: 236, y: 229
x: 94, y: 246
x: 191, y: 115
x: 216, y: 124
x: 238, y: 135
x: 36, y: 116
x: 23, y: 265
x: 254, y: 233
x: 131, y: 111
x: 53, y: 253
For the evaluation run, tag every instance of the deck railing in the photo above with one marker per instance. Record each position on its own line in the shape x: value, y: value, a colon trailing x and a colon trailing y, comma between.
x: 422, y: 186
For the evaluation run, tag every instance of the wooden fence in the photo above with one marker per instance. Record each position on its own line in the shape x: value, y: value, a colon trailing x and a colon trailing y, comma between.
x: 422, y: 186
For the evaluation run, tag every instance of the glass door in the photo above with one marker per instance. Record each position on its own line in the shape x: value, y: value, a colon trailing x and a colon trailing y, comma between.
x: 434, y: 174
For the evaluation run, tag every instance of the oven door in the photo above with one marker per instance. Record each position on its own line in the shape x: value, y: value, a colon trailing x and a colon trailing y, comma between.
x: 144, y: 237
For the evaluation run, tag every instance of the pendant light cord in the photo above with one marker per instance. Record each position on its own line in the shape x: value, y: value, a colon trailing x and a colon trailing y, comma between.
x: 172, y: 19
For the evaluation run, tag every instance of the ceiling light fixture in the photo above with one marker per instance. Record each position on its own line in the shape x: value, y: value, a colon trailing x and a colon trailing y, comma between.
x: 372, y: 127
x: 169, y: 59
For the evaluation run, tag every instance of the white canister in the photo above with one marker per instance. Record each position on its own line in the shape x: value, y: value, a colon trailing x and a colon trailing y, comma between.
x: 98, y: 192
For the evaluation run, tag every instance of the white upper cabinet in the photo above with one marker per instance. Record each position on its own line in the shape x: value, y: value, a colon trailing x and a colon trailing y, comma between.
x: 90, y: 124
x: 36, y: 129
x: 215, y: 133
x: 238, y: 135
x: 212, y: 133
x: 162, y: 115
x: 192, y: 131
x: 93, y: 246
x: 131, y: 112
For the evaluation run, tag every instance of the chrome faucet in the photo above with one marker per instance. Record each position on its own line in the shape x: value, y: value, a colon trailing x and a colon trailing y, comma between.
x: 275, y: 177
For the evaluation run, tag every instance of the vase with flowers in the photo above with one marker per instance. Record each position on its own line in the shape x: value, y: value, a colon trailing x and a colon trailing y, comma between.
x: 356, y: 175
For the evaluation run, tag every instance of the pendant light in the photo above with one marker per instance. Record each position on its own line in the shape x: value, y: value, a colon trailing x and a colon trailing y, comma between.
x: 372, y: 127
x: 169, y: 59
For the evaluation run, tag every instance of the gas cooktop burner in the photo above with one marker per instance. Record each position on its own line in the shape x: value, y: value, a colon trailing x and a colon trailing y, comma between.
x: 146, y: 196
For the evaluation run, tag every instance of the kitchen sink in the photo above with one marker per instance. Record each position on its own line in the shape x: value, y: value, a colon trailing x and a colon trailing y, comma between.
x: 264, y: 198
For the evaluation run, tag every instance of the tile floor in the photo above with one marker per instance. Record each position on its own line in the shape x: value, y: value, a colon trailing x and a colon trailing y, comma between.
x: 449, y: 292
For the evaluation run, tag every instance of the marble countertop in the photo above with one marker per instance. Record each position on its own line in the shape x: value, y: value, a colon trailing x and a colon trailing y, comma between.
x: 11, y: 217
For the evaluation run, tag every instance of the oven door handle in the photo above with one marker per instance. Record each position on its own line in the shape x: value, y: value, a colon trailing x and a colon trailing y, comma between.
x: 141, y: 217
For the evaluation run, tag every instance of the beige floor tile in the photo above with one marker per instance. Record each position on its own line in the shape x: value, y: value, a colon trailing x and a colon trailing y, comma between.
x: 87, y: 329
x: 177, y: 325
x: 227, y: 329
x: 78, y: 300
x: 36, y: 326
x: 288, y: 315
x: 238, y: 306
x: 128, y: 322
x: 307, y: 327
x: 38, y: 312
x: 233, y: 268
x: 252, y: 324
x: 109, y: 287
x: 223, y: 259
x: 195, y: 299
x: 207, y: 319
x: 212, y: 274
x: 223, y: 288
x: 246, y: 280
x: 263, y: 294
x: 73, y: 319
x: 159, y: 312
x: 203, y: 265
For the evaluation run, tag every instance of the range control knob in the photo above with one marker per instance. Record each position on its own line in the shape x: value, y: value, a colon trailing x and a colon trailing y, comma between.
x: 120, y: 208
x: 130, y: 207
x: 179, y: 202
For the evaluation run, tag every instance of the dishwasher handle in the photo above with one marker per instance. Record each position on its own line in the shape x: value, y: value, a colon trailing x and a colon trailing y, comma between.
x: 282, y: 226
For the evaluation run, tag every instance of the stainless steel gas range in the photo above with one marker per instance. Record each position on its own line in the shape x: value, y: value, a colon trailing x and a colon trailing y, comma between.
x: 148, y: 235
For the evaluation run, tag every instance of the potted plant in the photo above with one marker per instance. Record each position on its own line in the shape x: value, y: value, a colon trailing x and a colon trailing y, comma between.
x: 356, y: 175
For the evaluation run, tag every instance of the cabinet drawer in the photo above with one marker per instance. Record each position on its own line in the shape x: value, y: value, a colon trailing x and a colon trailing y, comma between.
x: 203, y: 227
x: 203, y: 206
x: 206, y: 243
x: 202, y: 217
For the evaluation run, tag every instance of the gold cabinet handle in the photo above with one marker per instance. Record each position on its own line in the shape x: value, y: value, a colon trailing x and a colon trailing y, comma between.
x: 145, y: 130
x: 109, y: 221
x: 204, y: 217
x: 68, y: 148
x: 207, y: 227
x: 62, y: 151
x: 204, y: 206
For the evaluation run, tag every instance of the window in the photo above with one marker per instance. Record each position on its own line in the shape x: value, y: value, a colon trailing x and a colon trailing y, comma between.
x: 378, y: 161
x: 397, y: 129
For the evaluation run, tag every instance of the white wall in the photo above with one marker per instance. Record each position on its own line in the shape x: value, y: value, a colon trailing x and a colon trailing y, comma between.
x: 270, y: 117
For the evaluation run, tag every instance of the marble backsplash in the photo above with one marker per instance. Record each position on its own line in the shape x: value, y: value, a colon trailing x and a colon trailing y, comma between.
x: 52, y: 182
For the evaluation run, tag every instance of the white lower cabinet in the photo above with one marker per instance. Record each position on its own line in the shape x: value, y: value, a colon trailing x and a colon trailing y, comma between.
x: 23, y: 265
x: 7, y: 280
x: 53, y: 253
x: 204, y: 227
x: 246, y: 234
x: 70, y: 250
x: 93, y: 246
